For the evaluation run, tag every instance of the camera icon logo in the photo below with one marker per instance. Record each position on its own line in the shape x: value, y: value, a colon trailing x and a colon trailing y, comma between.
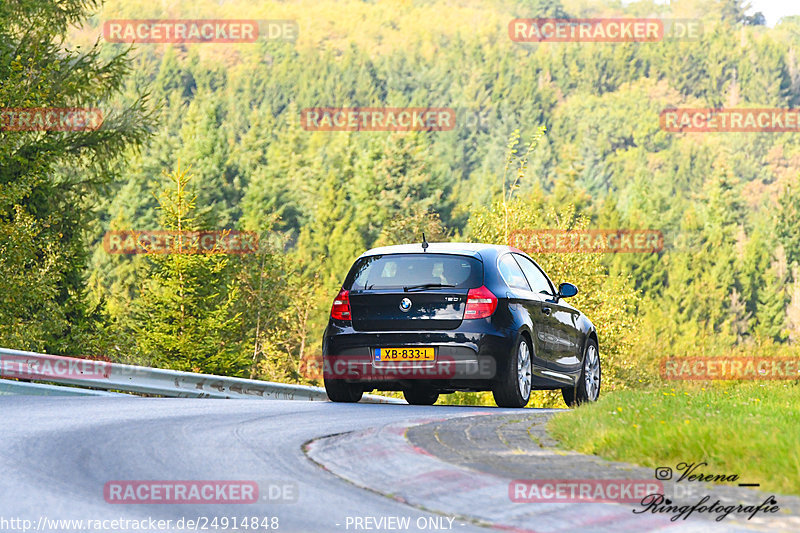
x: 663, y: 473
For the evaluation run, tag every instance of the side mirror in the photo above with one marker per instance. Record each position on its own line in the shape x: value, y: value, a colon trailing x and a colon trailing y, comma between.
x: 567, y: 290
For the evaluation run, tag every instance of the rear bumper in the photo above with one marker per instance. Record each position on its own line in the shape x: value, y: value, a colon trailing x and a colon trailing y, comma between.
x: 466, y: 358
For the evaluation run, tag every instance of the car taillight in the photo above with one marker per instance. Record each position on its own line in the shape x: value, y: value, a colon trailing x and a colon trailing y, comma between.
x: 341, y: 306
x: 480, y: 303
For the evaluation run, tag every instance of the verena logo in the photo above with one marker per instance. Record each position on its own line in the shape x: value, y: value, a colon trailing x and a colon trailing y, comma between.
x: 198, y: 31
x: 378, y: 118
x: 613, y: 241
x: 582, y: 490
x: 52, y: 367
x: 729, y: 368
x: 50, y: 119
x: 770, y: 120
x: 363, y: 368
x: 180, y: 242
x: 171, y: 492
x: 603, y: 30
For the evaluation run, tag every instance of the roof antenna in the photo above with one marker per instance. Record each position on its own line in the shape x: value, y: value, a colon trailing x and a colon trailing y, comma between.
x: 424, y: 243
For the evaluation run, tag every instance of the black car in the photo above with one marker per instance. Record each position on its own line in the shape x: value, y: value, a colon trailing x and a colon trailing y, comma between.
x: 428, y: 319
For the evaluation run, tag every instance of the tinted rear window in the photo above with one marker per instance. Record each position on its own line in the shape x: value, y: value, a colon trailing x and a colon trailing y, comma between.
x: 404, y: 270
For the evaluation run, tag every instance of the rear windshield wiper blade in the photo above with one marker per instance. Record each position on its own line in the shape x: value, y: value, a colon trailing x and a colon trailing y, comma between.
x: 427, y: 286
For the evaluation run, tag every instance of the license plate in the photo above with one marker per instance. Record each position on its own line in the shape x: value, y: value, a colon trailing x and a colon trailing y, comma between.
x: 404, y: 354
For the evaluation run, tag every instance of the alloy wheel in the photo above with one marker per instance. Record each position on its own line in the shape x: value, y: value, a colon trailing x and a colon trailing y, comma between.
x: 524, y: 369
x: 591, y: 373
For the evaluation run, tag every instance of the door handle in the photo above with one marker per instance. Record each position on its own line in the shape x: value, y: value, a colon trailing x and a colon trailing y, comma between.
x: 547, y: 310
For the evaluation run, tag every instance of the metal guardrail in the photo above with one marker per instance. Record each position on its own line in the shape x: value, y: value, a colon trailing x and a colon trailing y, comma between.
x: 156, y: 381
x: 10, y: 387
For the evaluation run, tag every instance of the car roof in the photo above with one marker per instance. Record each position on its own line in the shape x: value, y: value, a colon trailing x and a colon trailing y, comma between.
x: 455, y: 248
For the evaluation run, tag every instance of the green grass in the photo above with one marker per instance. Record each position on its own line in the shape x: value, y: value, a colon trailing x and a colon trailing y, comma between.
x: 752, y: 430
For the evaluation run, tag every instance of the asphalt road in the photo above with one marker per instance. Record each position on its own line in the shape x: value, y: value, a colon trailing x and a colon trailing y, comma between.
x: 317, y: 466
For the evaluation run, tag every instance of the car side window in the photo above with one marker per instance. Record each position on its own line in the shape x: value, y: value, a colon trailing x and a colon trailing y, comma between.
x: 535, y: 276
x: 511, y: 272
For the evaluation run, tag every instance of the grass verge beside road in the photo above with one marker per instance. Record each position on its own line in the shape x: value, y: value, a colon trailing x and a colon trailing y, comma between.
x: 752, y: 430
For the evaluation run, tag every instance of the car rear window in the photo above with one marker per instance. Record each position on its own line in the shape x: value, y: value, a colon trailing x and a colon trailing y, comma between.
x: 405, y: 270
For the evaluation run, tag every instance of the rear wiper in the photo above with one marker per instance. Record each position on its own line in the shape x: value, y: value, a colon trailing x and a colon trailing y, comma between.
x: 427, y: 286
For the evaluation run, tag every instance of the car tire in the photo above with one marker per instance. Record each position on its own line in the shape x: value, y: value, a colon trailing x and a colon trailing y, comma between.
x: 420, y: 396
x: 340, y: 391
x: 514, y: 386
x: 588, y: 387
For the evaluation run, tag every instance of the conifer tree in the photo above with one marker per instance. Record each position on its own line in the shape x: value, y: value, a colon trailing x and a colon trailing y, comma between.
x: 184, y: 315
